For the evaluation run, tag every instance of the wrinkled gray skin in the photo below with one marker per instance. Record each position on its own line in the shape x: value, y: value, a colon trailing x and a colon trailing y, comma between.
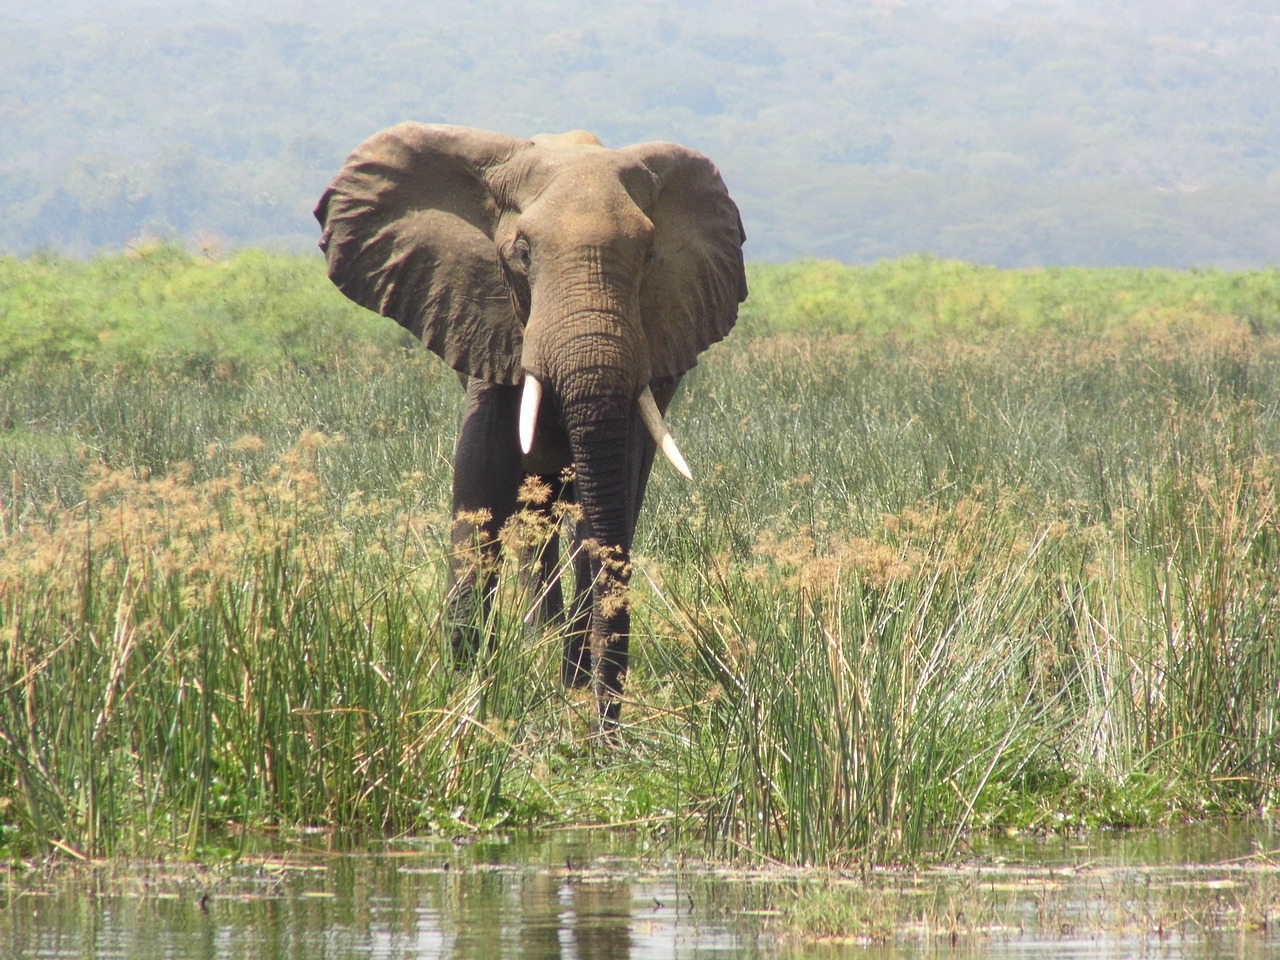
x: 598, y: 272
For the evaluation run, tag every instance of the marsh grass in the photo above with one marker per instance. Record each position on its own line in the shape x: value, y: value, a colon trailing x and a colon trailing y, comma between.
x: 184, y: 657
x: 885, y: 692
x: 982, y: 598
x: 249, y: 636
x: 1001, y: 576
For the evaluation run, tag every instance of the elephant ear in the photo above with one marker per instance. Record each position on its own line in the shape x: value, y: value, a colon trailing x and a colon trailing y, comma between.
x: 691, y: 291
x: 408, y: 228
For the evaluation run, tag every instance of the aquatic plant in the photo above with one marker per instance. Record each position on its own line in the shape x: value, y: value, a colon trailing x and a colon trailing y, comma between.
x: 1001, y: 574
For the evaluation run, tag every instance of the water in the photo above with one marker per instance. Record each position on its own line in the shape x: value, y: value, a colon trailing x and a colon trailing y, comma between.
x: 1204, y: 891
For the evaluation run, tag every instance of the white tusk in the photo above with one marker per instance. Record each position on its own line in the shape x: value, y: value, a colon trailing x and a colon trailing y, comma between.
x: 529, y: 411
x: 652, y: 418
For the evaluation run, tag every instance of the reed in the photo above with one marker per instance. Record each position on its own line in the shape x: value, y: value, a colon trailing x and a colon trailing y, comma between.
x: 1069, y: 539
x: 999, y: 575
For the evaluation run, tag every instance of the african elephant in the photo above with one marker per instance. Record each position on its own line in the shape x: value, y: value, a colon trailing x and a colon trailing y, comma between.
x: 571, y: 286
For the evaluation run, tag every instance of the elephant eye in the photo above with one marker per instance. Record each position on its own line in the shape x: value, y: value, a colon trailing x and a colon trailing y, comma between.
x: 521, y: 251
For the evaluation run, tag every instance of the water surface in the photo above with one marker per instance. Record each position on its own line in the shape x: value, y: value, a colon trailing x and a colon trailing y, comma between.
x: 1205, y: 891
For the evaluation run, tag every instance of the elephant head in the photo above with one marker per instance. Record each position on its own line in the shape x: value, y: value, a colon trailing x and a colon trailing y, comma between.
x: 553, y: 267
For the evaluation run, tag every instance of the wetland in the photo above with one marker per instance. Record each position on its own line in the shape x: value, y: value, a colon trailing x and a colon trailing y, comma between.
x: 972, y: 554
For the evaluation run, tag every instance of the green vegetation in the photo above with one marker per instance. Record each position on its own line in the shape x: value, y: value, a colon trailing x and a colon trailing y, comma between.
x: 967, y: 548
x: 923, y: 296
x: 159, y: 308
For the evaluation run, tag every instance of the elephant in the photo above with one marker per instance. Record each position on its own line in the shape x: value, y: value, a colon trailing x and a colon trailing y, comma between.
x: 571, y: 286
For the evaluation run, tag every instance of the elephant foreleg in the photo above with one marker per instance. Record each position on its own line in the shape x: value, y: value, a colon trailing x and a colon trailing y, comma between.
x: 486, y: 478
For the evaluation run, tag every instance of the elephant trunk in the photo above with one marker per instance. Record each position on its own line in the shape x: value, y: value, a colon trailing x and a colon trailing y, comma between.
x: 600, y: 435
x: 596, y: 376
x: 595, y: 362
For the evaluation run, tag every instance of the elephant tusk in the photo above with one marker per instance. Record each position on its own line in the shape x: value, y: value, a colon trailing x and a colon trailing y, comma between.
x: 652, y: 418
x: 529, y: 411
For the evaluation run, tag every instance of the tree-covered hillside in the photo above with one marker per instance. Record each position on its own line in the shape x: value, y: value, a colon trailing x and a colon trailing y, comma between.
x: 1006, y: 131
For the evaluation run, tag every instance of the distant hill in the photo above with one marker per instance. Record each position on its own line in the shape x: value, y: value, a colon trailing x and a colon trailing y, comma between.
x: 1013, y: 132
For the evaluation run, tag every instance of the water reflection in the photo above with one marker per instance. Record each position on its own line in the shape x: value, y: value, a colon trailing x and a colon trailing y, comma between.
x: 586, y: 897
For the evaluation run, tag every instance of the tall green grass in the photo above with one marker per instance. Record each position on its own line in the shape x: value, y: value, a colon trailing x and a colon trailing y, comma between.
x: 157, y: 305
x: 1006, y: 573
x: 1031, y: 580
x: 161, y: 307
x: 922, y: 296
x: 189, y: 656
